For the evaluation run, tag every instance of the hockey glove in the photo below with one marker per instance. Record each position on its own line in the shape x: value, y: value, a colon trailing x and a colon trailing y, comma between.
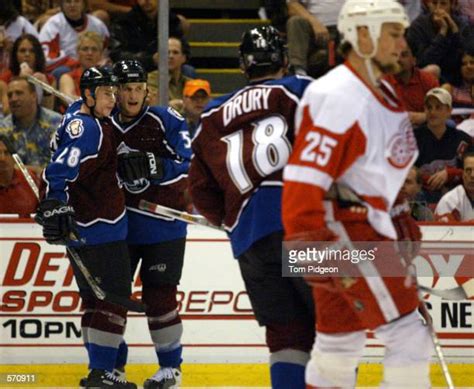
x: 58, y: 221
x: 137, y: 165
x: 408, y: 232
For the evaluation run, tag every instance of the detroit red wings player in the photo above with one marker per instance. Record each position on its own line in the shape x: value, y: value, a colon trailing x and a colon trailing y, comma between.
x: 353, y: 133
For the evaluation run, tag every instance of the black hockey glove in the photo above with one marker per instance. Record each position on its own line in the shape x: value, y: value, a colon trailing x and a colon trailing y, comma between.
x: 57, y: 219
x: 138, y: 164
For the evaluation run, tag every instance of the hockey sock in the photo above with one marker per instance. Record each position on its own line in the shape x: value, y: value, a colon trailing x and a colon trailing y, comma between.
x: 286, y: 375
x: 122, y: 354
x: 170, y: 358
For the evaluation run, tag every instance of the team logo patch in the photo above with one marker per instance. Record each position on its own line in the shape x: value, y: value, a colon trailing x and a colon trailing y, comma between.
x: 402, y: 146
x: 75, y: 128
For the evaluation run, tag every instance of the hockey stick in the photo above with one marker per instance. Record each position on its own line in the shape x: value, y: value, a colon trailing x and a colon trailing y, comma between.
x: 131, y: 305
x: 174, y: 213
x: 436, y: 344
x: 48, y: 88
x: 462, y: 292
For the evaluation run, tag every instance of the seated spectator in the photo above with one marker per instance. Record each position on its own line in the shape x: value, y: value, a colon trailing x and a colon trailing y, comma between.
x: 178, y: 50
x: 90, y: 48
x: 60, y: 34
x: 461, y: 92
x: 39, y: 11
x: 12, y: 25
x: 458, y: 204
x: 27, y: 59
x: 30, y: 126
x: 16, y: 195
x: 412, y: 190
x: 412, y: 8
x: 440, y: 145
x: 438, y: 36
x: 196, y: 95
x: 466, y: 8
x: 412, y: 84
x: 312, y: 35
x: 134, y: 35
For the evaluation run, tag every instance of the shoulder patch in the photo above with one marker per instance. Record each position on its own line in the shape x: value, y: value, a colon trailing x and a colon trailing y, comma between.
x: 75, y: 128
x: 175, y: 113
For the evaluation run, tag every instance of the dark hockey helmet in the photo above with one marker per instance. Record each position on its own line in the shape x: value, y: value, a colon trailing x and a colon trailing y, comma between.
x: 94, y: 77
x: 130, y: 70
x: 262, y: 47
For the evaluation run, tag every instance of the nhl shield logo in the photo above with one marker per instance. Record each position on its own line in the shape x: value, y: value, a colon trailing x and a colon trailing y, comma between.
x: 75, y: 128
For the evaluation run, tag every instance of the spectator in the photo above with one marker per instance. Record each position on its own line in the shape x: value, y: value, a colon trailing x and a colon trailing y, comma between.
x: 412, y: 190
x: 196, y: 95
x: 106, y: 10
x: 60, y: 34
x: 12, y: 25
x: 39, y: 11
x: 462, y: 92
x: 29, y: 126
x: 412, y: 8
x: 412, y: 84
x: 441, y: 146
x: 90, y: 48
x: 27, y: 58
x: 466, y: 8
x: 438, y: 37
x: 458, y: 204
x: 312, y: 34
x: 134, y: 35
x: 178, y: 51
x: 16, y: 195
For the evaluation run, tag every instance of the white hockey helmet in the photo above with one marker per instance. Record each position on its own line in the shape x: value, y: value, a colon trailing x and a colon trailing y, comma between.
x: 371, y: 14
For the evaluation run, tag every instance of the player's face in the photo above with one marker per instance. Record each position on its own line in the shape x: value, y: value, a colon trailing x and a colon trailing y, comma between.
x: 26, y: 53
x: 89, y: 53
x: 104, y: 100
x: 73, y: 8
x: 410, y: 186
x: 6, y: 166
x: 20, y: 98
x: 131, y: 97
x: 195, y: 104
x: 467, y: 68
x: 436, y: 112
x: 468, y: 176
x: 390, y: 45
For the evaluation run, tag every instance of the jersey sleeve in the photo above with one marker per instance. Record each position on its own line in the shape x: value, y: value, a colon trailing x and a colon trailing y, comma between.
x: 179, y: 145
x: 205, y: 192
x: 79, y: 140
x: 323, y: 151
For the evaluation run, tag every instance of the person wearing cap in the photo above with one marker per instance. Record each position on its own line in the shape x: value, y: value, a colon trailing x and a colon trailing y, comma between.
x: 441, y: 146
x: 196, y: 95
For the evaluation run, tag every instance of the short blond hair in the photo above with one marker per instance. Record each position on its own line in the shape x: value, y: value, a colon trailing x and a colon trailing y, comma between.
x: 93, y: 36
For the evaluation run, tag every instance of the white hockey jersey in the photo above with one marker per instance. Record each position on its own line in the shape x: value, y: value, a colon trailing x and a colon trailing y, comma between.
x: 455, y: 206
x: 59, y: 39
x: 349, y: 135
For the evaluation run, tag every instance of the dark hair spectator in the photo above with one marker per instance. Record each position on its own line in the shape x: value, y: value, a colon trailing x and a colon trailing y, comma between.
x: 27, y: 58
x: 439, y: 36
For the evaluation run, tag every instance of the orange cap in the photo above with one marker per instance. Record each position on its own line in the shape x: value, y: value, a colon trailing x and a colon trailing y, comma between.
x: 192, y: 86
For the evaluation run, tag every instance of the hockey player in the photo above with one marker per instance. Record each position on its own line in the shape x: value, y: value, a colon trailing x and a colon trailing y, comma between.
x: 84, y: 199
x: 354, y: 148
x: 154, y: 153
x: 236, y: 179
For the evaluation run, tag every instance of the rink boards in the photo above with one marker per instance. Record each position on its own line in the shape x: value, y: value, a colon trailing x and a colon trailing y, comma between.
x: 40, y: 309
